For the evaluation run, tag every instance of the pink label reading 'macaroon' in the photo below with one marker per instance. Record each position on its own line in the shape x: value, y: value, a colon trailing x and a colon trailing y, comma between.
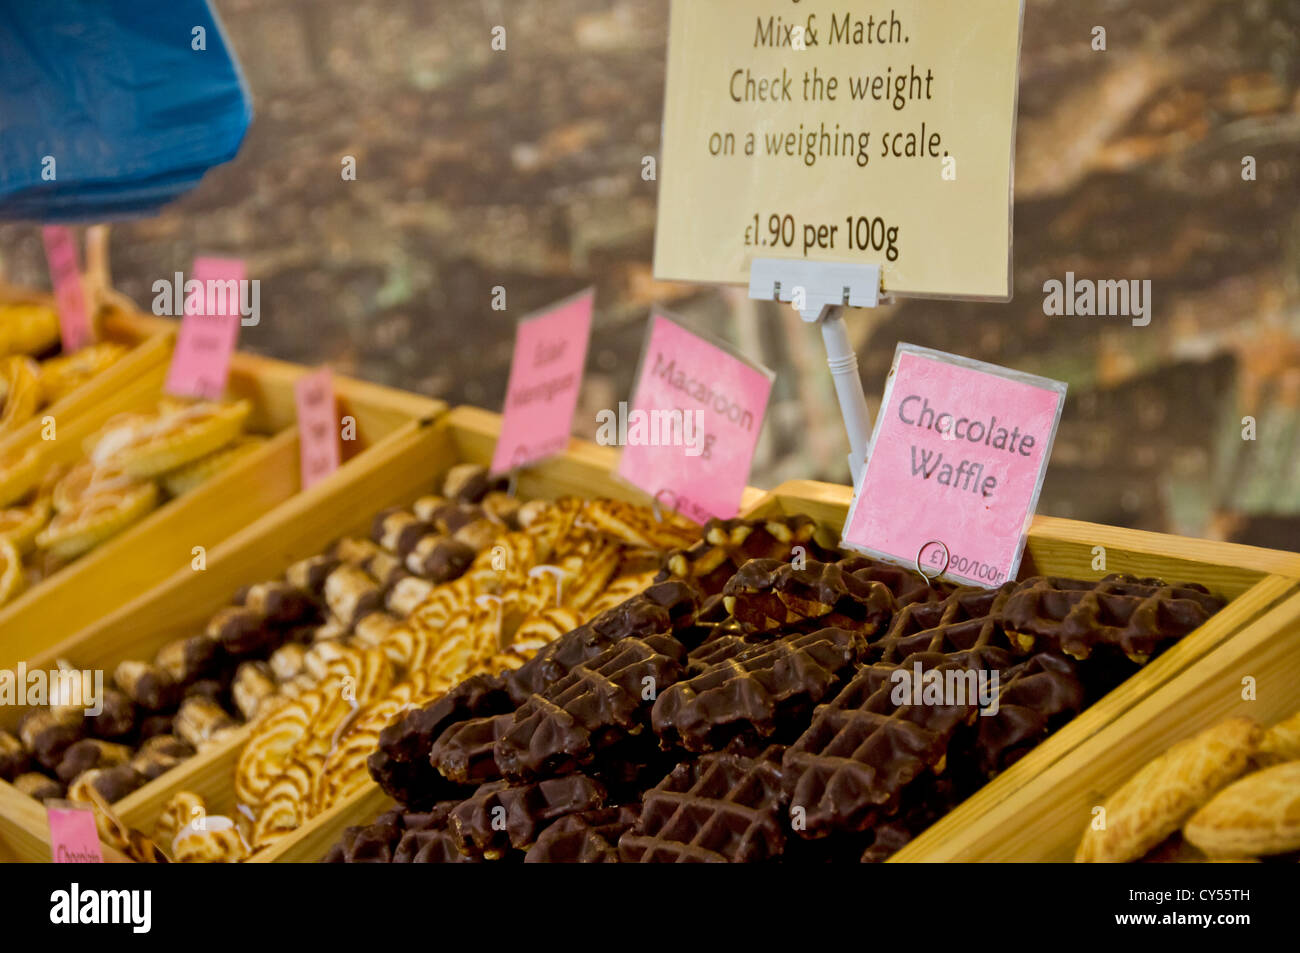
x: 956, y: 463
x: 201, y: 361
x: 70, y: 298
x: 318, y: 426
x: 73, y: 838
x: 545, y: 378
x: 689, y: 431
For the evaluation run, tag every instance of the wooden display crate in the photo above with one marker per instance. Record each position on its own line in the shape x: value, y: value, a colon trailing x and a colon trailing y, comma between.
x: 395, y: 472
x: 1263, y: 587
x: 153, y: 549
x: 1006, y: 819
x: 1044, y: 819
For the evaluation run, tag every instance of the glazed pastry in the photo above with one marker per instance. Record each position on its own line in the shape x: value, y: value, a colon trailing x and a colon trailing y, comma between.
x: 1163, y: 795
x: 21, y: 523
x: 1281, y: 742
x: 218, y: 842
x: 21, y: 387
x: 28, y: 328
x: 182, y: 811
x: 84, y: 526
x: 186, y: 478
x: 171, y: 438
x: 20, y: 471
x: 62, y: 375
x: 1258, y: 815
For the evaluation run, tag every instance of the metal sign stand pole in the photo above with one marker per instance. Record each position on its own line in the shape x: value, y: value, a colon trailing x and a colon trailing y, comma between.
x: 820, y: 291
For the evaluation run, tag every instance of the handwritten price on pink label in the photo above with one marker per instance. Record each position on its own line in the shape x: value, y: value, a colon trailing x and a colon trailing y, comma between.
x: 201, y: 362
x: 956, y: 464
x: 73, y: 837
x: 694, y: 421
x: 545, y: 378
x: 318, y: 427
x: 69, y: 296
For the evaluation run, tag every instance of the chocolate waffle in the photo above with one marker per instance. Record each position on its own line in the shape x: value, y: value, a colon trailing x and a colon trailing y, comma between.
x: 1137, y: 616
x: 587, y: 838
x: 753, y: 687
x: 966, y: 618
x: 401, y: 765
x: 598, y: 703
x: 726, y: 545
x: 370, y: 843
x: 499, y: 816
x: 661, y: 609
x: 862, y: 750
x: 720, y: 808
x: 464, y: 753
x: 769, y: 595
x: 906, y: 585
x: 1034, y: 698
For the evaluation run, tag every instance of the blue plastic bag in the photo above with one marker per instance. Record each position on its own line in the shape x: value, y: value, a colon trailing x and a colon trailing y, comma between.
x: 111, y: 110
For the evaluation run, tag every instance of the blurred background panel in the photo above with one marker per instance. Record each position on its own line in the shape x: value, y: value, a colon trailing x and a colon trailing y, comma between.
x: 522, y: 169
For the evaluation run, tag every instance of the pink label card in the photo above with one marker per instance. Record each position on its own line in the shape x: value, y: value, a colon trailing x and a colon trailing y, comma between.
x: 955, y: 467
x: 69, y: 296
x: 545, y: 378
x: 209, y: 329
x: 73, y: 837
x: 696, y: 412
x: 318, y: 426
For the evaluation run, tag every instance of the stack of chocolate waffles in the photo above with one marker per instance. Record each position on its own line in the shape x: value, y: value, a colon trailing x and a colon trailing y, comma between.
x: 766, y: 699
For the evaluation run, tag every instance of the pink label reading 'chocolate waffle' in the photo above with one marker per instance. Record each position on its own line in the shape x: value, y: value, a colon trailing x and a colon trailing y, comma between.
x: 545, y: 378
x: 73, y: 838
x: 70, y: 298
x: 696, y: 412
x: 318, y: 426
x: 955, y: 466
x: 201, y: 361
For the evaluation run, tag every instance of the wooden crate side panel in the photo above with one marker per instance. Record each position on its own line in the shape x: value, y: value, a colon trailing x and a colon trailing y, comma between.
x: 1044, y: 818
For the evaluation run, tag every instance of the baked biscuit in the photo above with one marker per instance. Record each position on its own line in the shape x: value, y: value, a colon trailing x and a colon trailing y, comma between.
x: 1281, y: 742
x: 1158, y: 799
x: 1258, y: 815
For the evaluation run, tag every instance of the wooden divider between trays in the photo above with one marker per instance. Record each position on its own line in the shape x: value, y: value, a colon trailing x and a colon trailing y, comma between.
x: 1045, y: 818
x: 148, y: 552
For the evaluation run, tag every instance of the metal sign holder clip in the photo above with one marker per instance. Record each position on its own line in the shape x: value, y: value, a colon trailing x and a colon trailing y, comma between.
x: 820, y: 291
